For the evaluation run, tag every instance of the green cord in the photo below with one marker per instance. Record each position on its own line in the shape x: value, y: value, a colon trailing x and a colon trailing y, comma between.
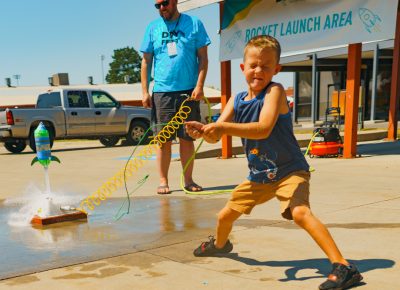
x: 119, y: 215
x: 309, y: 144
x: 204, y: 192
x: 311, y: 169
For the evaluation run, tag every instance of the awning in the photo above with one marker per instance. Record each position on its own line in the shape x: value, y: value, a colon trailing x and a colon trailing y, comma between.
x: 185, y: 5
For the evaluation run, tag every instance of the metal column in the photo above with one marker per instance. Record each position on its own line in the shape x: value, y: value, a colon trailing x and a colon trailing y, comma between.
x: 374, y: 81
x: 314, y: 89
x: 226, y: 91
x: 352, y: 97
x: 295, y: 95
x: 395, y: 87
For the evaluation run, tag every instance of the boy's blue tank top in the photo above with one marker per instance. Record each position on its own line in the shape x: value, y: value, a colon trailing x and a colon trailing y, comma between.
x: 278, y: 155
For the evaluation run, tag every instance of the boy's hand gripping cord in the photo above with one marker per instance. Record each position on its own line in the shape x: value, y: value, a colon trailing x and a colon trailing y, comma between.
x: 133, y: 164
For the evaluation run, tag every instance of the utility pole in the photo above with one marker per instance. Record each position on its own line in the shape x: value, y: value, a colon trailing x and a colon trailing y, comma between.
x: 17, y: 77
x: 102, y: 57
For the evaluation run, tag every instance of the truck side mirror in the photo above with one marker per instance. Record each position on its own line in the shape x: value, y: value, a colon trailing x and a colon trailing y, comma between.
x: 118, y: 105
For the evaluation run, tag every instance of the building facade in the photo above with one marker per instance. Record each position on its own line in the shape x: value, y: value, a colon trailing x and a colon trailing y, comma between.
x: 320, y: 81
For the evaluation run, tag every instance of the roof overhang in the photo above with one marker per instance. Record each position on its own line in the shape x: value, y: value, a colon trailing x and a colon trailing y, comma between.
x: 304, y: 58
x: 185, y: 5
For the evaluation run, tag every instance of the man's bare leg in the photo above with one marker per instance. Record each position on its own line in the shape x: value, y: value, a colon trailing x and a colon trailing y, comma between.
x: 186, y: 150
x: 163, y: 162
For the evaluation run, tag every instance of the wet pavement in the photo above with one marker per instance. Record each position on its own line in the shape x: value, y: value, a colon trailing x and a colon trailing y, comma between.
x: 152, y: 222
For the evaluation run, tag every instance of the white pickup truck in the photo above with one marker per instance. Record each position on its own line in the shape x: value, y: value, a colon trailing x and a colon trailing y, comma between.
x: 74, y: 113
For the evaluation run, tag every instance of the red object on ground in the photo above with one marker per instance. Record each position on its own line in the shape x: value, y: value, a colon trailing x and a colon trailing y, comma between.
x: 325, y: 148
x: 42, y: 221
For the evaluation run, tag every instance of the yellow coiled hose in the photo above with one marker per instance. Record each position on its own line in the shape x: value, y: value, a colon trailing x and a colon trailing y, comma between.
x: 132, y: 166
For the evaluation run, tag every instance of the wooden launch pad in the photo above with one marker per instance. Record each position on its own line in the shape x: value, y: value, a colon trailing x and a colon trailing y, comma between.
x: 42, y: 221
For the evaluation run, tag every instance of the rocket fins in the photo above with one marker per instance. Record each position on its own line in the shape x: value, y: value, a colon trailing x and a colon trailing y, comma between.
x: 53, y: 158
x: 34, y: 160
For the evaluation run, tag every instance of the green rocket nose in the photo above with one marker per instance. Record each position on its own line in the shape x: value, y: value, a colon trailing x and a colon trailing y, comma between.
x: 43, y: 147
x: 42, y: 143
x: 41, y: 131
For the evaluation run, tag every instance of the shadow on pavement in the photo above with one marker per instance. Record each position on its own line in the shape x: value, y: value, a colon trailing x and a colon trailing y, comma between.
x: 381, y: 148
x: 222, y: 187
x: 209, y: 189
x: 322, y: 266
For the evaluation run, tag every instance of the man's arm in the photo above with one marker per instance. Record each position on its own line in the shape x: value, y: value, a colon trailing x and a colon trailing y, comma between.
x: 145, y: 75
x: 202, y: 57
x: 274, y: 105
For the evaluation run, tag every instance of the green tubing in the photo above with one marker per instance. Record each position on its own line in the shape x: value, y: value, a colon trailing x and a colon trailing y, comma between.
x: 120, y: 214
x: 204, y: 192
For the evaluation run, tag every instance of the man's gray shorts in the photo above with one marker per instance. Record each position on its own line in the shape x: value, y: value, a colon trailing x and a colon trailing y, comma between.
x: 164, y: 107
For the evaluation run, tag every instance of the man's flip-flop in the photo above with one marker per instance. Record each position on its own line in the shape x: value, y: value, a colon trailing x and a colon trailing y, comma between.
x: 193, y: 187
x: 161, y: 189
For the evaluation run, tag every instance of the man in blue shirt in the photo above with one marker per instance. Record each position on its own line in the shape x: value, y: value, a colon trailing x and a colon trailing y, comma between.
x: 177, y: 44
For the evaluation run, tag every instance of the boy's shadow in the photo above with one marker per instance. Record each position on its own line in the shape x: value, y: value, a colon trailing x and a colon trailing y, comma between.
x: 322, y: 266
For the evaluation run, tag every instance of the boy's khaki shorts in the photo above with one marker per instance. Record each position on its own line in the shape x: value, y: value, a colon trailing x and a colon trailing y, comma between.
x: 291, y: 191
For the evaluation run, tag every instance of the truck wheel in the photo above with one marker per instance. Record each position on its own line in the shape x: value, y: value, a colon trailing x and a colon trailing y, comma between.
x: 32, y: 143
x: 15, y: 146
x: 109, y: 141
x: 136, y: 132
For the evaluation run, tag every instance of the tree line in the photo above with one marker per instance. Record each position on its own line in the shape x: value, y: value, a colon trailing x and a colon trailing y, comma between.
x: 125, y: 67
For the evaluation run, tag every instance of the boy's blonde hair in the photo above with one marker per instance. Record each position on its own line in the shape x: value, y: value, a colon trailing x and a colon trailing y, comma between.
x: 264, y: 41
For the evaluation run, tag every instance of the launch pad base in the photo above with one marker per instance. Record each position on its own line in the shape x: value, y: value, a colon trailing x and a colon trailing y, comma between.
x: 65, y: 217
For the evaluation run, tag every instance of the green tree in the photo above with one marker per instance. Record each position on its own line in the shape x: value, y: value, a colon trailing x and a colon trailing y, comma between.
x: 126, y: 62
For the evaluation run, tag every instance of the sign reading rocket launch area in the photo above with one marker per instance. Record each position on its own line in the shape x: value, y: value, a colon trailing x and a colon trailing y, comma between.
x: 303, y: 25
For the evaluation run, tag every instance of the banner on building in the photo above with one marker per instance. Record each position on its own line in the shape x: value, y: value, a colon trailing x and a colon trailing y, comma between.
x: 305, y: 24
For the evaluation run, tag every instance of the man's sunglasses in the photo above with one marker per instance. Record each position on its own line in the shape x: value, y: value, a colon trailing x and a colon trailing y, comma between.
x: 164, y: 3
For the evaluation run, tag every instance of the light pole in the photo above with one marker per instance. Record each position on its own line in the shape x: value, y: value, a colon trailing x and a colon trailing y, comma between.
x: 102, y: 57
x: 17, y: 77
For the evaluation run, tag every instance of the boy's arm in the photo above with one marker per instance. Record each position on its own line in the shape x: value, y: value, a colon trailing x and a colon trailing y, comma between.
x: 196, y: 129
x: 226, y: 116
x: 274, y: 104
x: 227, y: 113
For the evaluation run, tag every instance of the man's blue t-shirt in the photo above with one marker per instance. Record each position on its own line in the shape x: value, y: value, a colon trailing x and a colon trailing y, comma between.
x: 180, y: 71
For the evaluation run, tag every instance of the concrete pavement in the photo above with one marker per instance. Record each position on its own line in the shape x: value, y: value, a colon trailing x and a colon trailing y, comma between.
x: 151, y: 248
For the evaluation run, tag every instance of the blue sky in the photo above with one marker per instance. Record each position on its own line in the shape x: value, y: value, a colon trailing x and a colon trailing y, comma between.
x: 43, y: 37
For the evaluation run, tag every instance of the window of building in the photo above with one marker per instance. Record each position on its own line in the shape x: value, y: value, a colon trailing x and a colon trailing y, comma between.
x: 303, y: 106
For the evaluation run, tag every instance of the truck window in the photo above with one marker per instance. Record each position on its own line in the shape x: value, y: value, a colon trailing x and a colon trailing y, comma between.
x: 49, y: 100
x: 77, y: 99
x: 103, y: 100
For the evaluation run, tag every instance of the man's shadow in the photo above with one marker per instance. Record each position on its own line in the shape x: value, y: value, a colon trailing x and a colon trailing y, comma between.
x: 322, y: 266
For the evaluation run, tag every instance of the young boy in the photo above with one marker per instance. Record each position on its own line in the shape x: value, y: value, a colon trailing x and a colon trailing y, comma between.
x: 278, y: 169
